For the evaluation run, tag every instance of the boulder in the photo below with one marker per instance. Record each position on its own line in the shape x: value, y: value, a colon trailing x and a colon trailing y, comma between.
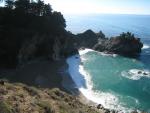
x: 145, y: 73
x: 2, y: 82
x: 99, y: 106
x: 139, y: 72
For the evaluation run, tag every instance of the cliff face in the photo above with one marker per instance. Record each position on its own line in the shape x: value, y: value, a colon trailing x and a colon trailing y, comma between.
x: 122, y: 46
x: 47, y: 46
x: 57, y: 47
x: 87, y: 39
x: 126, y: 44
x: 37, y: 46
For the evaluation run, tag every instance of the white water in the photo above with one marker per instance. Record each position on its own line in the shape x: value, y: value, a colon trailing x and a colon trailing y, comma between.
x: 84, y: 83
x: 145, y: 46
x: 136, y: 74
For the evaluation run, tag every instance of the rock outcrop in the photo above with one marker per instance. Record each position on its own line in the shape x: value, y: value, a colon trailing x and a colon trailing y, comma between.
x: 39, y: 46
x: 56, y: 49
x: 87, y: 39
x: 61, y: 46
x: 125, y: 44
x: 27, y: 50
x: 47, y: 46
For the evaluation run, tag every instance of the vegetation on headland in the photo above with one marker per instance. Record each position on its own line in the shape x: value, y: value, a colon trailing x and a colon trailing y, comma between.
x: 32, y: 25
x: 125, y: 44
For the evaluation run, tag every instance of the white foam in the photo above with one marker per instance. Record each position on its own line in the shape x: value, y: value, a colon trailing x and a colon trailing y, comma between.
x: 84, y: 51
x: 106, y: 54
x: 136, y: 74
x: 145, y: 46
x: 84, y: 83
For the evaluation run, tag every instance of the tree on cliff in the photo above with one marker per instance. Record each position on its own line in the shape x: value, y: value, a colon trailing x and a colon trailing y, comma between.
x: 127, y: 35
x: 101, y: 35
x: 20, y: 20
x: 9, y: 3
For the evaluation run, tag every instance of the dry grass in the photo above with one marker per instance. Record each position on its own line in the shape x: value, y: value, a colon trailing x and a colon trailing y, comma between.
x: 25, y: 99
x: 5, y: 107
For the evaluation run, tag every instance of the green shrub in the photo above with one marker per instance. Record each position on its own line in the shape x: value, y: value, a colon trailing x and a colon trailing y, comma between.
x: 5, y: 107
x: 32, y: 90
x: 46, y: 106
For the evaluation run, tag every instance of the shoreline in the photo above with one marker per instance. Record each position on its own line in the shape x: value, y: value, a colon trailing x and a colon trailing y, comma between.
x: 103, y: 101
x: 69, y: 84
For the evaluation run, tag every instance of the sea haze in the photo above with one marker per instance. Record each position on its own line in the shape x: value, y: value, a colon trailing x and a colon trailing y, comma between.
x: 112, y: 80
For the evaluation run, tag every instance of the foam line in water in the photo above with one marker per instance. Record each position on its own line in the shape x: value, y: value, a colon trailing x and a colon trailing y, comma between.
x: 86, y: 50
x: 136, y: 74
x: 84, y: 83
x: 145, y: 46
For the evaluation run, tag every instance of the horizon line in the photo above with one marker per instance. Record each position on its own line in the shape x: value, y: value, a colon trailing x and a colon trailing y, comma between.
x: 105, y: 14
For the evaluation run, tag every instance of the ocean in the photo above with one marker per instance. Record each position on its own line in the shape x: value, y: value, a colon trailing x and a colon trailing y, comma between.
x: 114, y: 81
x: 110, y: 24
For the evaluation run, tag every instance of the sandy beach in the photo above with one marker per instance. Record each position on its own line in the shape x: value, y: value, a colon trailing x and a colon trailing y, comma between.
x: 69, y: 85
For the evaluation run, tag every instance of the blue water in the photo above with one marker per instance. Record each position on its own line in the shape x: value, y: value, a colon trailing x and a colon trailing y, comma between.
x: 118, y: 75
x: 110, y: 75
x: 110, y: 24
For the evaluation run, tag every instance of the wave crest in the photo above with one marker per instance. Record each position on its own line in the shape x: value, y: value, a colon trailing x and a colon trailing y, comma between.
x: 136, y: 74
x: 145, y: 46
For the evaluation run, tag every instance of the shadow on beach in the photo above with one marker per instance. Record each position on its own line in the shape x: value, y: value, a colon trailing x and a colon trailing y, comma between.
x: 40, y: 73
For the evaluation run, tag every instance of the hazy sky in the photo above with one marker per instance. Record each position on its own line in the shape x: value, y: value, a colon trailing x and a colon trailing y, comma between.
x: 101, y: 6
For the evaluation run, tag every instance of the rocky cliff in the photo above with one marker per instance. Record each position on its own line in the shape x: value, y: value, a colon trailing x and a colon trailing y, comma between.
x: 87, y: 39
x: 46, y: 46
x: 57, y: 47
x: 125, y: 44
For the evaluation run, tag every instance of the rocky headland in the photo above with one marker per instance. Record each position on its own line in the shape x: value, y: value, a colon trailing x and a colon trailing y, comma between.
x: 125, y: 44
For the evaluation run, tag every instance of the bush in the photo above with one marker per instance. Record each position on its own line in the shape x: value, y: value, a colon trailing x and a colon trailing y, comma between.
x: 127, y: 35
x: 32, y: 90
x: 20, y: 20
x: 5, y: 107
x: 46, y: 106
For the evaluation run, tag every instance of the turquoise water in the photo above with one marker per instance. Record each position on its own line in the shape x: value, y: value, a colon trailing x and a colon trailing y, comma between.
x: 118, y: 75
x: 110, y: 74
